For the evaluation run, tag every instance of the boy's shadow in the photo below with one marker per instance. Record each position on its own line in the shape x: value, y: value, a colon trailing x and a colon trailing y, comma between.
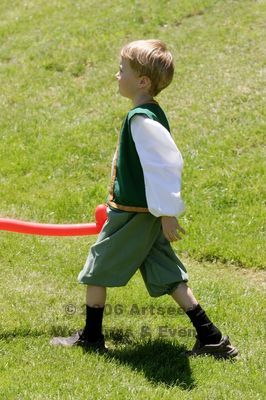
x: 161, y: 362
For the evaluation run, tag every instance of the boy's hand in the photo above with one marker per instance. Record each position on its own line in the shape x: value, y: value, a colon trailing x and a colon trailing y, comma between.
x: 171, y: 228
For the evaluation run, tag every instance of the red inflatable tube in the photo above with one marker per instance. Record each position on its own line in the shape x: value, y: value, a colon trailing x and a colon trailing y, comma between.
x: 32, y: 228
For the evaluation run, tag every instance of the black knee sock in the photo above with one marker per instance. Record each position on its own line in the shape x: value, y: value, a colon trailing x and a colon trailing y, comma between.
x: 93, y: 328
x: 207, y: 332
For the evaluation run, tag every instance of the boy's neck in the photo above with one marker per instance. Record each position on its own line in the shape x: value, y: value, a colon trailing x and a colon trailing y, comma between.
x: 143, y: 98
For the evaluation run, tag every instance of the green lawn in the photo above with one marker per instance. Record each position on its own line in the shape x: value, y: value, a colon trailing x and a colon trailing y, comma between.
x: 41, y: 298
x: 60, y: 114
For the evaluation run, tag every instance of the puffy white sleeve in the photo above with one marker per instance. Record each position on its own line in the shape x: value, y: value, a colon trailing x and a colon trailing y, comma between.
x: 162, y: 165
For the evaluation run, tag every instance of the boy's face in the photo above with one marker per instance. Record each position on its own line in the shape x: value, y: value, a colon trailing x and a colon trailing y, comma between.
x: 128, y: 80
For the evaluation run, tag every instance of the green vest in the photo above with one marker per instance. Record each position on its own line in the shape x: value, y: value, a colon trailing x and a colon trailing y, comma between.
x: 127, y: 191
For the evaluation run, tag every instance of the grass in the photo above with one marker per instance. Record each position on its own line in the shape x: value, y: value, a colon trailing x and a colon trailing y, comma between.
x: 60, y: 104
x: 40, y: 282
x: 60, y: 116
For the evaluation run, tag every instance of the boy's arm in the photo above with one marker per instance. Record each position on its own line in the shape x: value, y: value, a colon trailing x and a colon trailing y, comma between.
x: 162, y: 164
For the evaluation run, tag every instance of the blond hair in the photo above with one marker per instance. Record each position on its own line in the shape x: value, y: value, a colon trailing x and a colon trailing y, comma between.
x: 150, y: 58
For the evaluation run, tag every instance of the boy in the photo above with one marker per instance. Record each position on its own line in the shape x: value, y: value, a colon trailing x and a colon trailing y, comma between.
x: 143, y: 208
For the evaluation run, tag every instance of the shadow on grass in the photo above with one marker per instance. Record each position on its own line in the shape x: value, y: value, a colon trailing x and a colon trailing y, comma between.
x: 161, y: 362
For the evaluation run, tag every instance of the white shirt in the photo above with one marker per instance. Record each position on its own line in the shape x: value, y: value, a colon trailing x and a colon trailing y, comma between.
x: 162, y: 165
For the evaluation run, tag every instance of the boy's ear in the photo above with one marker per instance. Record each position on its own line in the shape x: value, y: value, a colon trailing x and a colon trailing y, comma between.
x: 144, y: 82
